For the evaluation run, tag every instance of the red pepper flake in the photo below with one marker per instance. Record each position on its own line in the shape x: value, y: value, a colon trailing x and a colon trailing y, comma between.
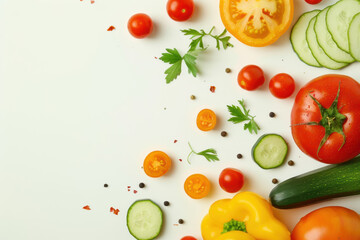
x: 115, y: 211
x: 175, y: 141
x: 180, y: 159
x: 111, y: 28
x: 92, y: 1
x: 176, y: 224
x: 129, y: 187
x: 128, y: 190
x: 135, y: 191
x: 156, y: 58
x: 87, y: 207
x: 212, y: 89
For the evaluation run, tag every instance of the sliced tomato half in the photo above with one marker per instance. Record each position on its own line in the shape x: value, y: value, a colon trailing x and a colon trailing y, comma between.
x: 257, y: 23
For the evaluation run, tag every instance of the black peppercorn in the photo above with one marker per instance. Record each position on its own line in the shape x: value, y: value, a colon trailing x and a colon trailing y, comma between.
x: 272, y: 114
x: 239, y: 156
x: 141, y: 185
x: 166, y: 203
x: 105, y: 185
x: 181, y: 221
x: 228, y: 70
x: 224, y: 133
x: 291, y: 163
x: 275, y: 181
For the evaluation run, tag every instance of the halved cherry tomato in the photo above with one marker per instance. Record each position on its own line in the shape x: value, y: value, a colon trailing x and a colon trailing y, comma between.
x: 197, y: 186
x: 140, y: 25
x: 156, y: 164
x: 256, y: 23
x: 251, y: 77
x: 328, y: 223
x: 206, y: 120
x: 180, y: 10
x: 282, y: 85
x: 188, y: 238
x: 313, y: 1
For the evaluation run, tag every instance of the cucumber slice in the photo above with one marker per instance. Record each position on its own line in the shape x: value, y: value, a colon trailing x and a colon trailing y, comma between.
x: 269, y: 151
x: 338, y: 19
x: 326, y: 41
x: 298, y: 39
x: 144, y: 220
x: 354, y: 37
x: 317, y: 51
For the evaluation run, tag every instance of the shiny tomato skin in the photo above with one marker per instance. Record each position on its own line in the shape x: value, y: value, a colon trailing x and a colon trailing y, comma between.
x: 282, y: 85
x: 328, y: 223
x: 231, y: 180
x: 188, y: 238
x: 180, y: 10
x: 313, y: 1
x: 305, y: 110
x: 251, y: 77
x: 140, y: 25
x: 156, y: 164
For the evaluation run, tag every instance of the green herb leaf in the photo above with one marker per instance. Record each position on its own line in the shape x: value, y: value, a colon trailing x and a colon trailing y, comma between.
x: 241, y: 115
x: 210, y: 154
x: 189, y: 60
x: 172, y: 56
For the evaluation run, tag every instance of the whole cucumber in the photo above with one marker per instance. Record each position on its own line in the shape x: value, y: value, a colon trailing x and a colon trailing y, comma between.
x: 324, y: 183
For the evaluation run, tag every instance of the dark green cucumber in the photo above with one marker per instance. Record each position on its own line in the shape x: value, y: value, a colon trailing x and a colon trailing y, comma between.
x: 321, y: 184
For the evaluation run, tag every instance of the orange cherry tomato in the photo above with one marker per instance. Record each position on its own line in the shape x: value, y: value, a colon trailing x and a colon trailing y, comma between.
x: 206, y: 120
x: 156, y: 164
x: 328, y: 223
x: 257, y: 23
x: 197, y: 186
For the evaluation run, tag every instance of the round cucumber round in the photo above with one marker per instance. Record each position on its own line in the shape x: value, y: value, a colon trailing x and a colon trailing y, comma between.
x: 298, y: 39
x: 338, y: 19
x: 144, y: 219
x: 269, y: 151
x: 326, y: 41
x: 354, y: 37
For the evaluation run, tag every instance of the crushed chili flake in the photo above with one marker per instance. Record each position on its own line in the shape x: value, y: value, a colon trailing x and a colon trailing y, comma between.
x: 156, y: 58
x: 135, y: 191
x: 129, y: 187
x: 176, y: 224
x: 87, y: 207
x: 180, y: 159
x: 212, y: 89
x: 115, y: 211
x: 92, y: 1
x: 175, y: 141
x: 128, y: 190
x: 111, y: 28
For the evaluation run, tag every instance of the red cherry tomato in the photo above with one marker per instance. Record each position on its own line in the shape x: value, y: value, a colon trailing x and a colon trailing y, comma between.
x: 180, y: 10
x: 231, y: 180
x: 313, y: 1
x: 140, y: 25
x: 188, y: 238
x: 282, y: 85
x: 251, y: 77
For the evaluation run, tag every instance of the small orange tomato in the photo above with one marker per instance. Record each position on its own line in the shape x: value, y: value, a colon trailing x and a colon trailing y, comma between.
x: 328, y: 223
x: 206, y: 120
x: 156, y: 164
x: 197, y: 186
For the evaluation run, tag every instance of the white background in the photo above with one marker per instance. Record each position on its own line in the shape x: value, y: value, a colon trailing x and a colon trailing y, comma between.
x: 81, y: 107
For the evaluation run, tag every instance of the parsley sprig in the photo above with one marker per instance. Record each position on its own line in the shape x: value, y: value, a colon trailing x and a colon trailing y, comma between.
x: 197, y: 38
x: 241, y: 115
x: 210, y: 154
x: 174, y: 58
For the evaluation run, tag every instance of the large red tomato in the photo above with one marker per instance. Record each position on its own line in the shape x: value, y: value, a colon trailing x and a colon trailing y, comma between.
x: 325, y: 119
x: 328, y: 223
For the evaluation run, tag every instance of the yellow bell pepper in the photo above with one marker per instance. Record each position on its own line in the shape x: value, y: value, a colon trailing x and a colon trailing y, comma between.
x: 246, y: 216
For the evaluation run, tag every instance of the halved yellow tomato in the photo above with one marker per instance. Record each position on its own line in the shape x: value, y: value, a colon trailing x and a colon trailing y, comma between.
x: 257, y: 23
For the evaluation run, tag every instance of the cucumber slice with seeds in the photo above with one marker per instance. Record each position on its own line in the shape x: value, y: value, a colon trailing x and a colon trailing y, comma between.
x: 354, y: 37
x: 326, y: 41
x: 298, y: 39
x: 317, y: 51
x: 270, y: 151
x: 144, y: 220
x: 338, y: 19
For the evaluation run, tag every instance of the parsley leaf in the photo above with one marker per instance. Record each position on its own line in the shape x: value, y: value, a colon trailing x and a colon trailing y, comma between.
x: 173, y: 57
x: 210, y: 154
x: 241, y: 115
